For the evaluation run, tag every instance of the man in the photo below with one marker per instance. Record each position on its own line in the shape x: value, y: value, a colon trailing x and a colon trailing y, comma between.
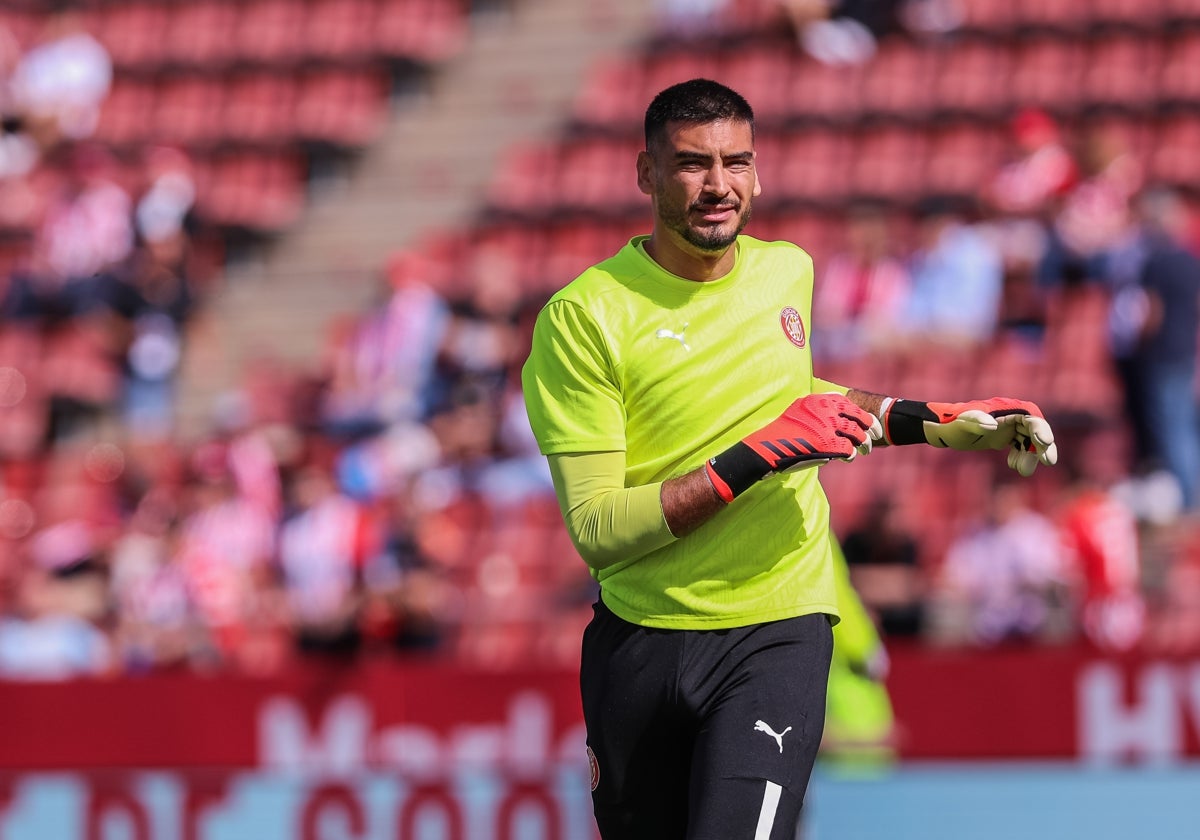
x: 668, y: 386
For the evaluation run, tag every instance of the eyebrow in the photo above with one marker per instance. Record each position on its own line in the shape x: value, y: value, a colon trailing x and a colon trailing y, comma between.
x: 738, y: 156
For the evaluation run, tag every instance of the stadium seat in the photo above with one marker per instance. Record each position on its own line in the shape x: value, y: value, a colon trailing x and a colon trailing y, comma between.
x: 971, y: 79
x: 961, y: 157
x: 271, y: 32
x: 346, y: 106
x: 898, y: 80
x: 824, y: 92
x: 422, y: 31
x: 1066, y: 16
x: 340, y: 29
x: 126, y: 118
x: 523, y: 182
x: 134, y: 33
x: 189, y: 109
x: 1047, y: 73
x: 1180, y: 77
x: 260, y: 107
x: 994, y: 18
x: 201, y: 33
x: 1123, y: 71
x: 1137, y: 14
x: 814, y: 165
x: 766, y: 75
x: 255, y: 191
x: 1174, y: 159
x: 605, y: 98
x: 888, y: 163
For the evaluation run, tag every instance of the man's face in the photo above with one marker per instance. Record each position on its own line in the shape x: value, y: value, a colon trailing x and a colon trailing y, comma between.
x: 701, y: 180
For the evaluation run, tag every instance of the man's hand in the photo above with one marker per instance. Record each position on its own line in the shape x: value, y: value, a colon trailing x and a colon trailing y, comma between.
x: 997, y: 423
x: 814, y: 430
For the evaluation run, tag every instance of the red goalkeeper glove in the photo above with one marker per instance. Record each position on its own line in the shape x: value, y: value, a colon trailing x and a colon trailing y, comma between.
x: 814, y: 430
x: 997, y: 423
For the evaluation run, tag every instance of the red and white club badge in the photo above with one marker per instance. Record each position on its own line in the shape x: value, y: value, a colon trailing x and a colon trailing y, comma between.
x: 594, y: 767
x: 793, y: 326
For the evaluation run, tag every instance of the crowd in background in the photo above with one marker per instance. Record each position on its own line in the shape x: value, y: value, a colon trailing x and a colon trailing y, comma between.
x: 340, y: 513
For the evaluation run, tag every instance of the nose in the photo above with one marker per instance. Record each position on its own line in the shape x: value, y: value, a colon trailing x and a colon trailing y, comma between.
x: 717, y: 180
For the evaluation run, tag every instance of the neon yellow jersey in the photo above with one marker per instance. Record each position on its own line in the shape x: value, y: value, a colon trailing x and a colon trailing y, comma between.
x: 629, y: 357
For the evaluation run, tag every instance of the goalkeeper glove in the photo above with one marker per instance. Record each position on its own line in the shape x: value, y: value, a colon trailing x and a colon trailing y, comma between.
x: 997, y: 423
x: 813, y: 430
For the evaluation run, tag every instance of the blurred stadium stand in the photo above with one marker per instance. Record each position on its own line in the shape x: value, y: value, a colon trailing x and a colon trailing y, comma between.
x: 335, y: 142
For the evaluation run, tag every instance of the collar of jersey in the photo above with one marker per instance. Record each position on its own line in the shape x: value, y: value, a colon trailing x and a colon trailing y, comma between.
x: 692, y: 287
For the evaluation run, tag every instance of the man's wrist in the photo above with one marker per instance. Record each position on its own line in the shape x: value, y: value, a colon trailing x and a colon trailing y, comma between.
x: 735, y: 470
x: 904, y: 421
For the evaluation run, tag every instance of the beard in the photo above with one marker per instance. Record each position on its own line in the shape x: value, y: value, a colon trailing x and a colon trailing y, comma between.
x: 709, y: 239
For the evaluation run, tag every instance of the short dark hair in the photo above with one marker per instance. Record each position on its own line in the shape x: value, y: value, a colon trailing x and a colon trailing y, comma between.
x: 696, y: 101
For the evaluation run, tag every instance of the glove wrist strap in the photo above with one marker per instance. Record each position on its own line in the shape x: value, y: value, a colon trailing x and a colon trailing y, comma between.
x: 735, y: 470
x: 904, y: 422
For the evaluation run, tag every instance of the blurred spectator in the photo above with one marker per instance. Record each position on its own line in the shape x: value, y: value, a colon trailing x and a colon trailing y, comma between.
x: 1020, y: 199
x: 957, y: 278
x: 863, y: 290
x: 324, y: 545
x: 1094, y: 218
x: 1154, y: 330
x: 849, y: 31
x: 61, y: 82
x: 44, y: 638
x: 884, y: 564
x: 1100, y: 536
x: 227, y: 542
x: 1005, y: 578
x: 157, y: 622
x: 85, y: 230
x: 686, y: 19
x: 381, y: 369
x: 151, y: 296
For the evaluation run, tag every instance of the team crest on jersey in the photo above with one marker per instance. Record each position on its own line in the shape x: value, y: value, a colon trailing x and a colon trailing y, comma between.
x: 793, y: 326
x: 594, y: 767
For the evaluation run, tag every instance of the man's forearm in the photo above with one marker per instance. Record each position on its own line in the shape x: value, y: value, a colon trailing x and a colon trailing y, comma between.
x: 688, y: 501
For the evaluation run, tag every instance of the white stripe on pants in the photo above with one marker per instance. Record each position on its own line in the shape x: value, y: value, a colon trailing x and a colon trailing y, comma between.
x: 766, y: 816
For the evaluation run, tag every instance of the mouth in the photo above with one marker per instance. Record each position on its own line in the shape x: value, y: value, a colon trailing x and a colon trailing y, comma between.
x: 716, y: 213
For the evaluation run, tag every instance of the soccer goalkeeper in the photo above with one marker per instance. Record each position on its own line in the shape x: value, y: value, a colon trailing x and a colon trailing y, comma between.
x: 671, y: 388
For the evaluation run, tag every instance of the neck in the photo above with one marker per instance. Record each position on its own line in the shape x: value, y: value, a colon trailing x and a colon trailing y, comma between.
x: 688, y: 262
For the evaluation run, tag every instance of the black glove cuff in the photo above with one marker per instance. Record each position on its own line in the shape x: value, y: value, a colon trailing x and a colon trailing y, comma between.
x: 905, y: 421
x: 739, y: 467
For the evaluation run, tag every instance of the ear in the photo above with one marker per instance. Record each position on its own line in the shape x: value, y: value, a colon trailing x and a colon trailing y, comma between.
x: 645, y: 172
x: 757, y: 184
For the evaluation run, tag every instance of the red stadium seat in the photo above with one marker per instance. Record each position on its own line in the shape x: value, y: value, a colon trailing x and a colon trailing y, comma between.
x: 1180, y: 77
x: 1174, y: 159
x: 1062, y: 15
x: 133, y: 33
x: 201, y: 33
x: 260, y: 107
x: 763, y: 75
x: 256, y: 191
x: 271, y: 31
x: 898, y: 80
x: 126, y: 117
x: 340, y: 29
x: 607, y: 98
x: 814, y: 166
x: 189, y: 110
x: 524, y: 181
x: 1047, y: 73
x: 961, y: 157
x: 1123, y: 70
x: 823, y: 91
x: 972, y: 78
x: 425, y: 31
x: 344, y: 106
x: 888, y: 162
x: 991, y: 17
x: 1128, y: 13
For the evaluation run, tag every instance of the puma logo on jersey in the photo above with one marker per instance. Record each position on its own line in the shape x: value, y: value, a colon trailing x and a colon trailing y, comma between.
x: 760, y: 726
x: 678, y: 336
